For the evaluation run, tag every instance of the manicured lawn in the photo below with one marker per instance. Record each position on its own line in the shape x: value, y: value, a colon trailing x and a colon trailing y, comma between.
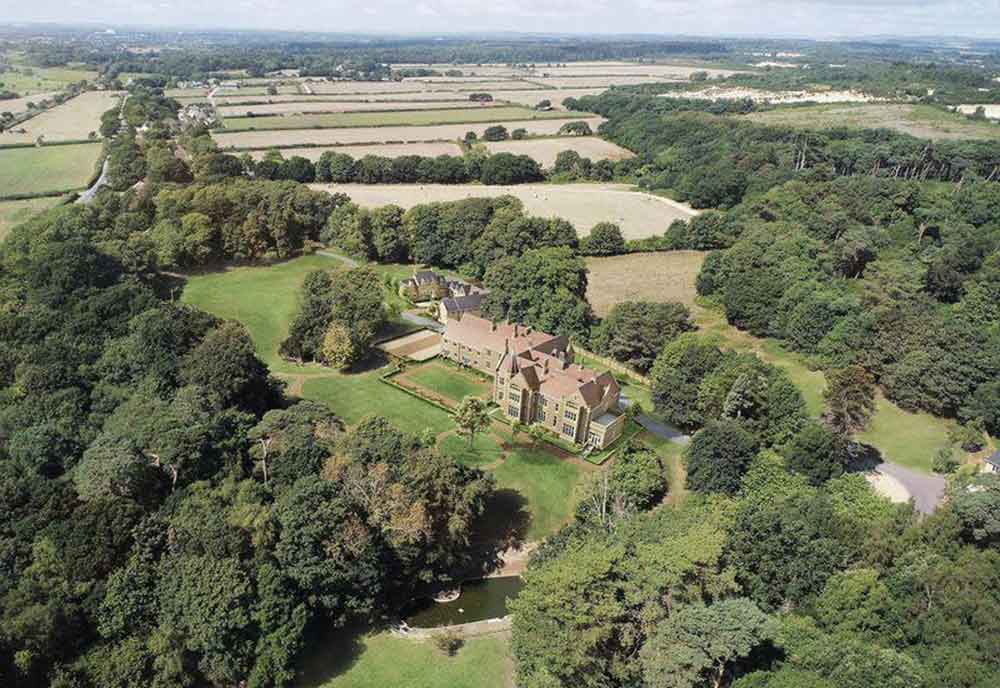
x: 355, y: 396
x: 546, y: 482
x: 448, y: 381
x: 393, y: 118
x: 383, y: 660
x: 485, y: 449
x: 49, y: 168
x: 263, y: 298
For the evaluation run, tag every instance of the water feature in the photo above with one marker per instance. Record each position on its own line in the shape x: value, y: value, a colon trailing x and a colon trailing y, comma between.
x: 485, y: 598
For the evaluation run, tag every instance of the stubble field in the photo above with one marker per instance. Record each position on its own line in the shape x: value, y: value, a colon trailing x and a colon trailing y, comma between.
x: 657, y: 277
x: 74, y: 120
x: 546, y: 150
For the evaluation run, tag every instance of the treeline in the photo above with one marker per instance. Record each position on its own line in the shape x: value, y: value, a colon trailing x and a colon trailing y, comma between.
x: 715, y: 161
x: 169, y: 517
x: 901, y: 278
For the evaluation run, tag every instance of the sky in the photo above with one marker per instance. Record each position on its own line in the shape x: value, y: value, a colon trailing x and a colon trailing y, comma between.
x: 806, y: 18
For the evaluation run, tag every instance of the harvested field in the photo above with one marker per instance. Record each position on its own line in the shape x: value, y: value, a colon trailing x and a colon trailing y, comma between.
x: 386, y: 150
x: 992, y: 111
x: 639, y: 215
x: 393, y: 118
x: 18, y: 105
x: 186, y: 92
x: 302, y: 106
x: 13, y: 213
x: 418, y: 346
x: 410, y: 86
x: 922, y: 121
x: 440, y: 96
x: 546, y: 150
x: 556, y: 97
x: 410, y: 134
x: 74, y: 120
x: 49, y: 168
x: 588, y: 68
x: 658, y: 277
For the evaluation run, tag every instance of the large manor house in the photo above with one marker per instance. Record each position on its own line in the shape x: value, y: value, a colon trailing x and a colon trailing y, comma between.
x: 535, y: 379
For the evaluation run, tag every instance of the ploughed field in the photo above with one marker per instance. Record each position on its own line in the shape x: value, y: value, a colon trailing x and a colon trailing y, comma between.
x: 639, y: 215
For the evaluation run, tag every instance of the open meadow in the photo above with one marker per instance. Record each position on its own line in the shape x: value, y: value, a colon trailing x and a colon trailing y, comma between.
x: 74, y: 120
x: 47, y: 169
x: 638, y: 214
x: 422, y: 117
x: 923, y: 121
x: 18, y: 105
x: 13, y: 213
x: 32, y: 81
x: 546, y: 150
x: 659, y: 277
x: 399, y: 134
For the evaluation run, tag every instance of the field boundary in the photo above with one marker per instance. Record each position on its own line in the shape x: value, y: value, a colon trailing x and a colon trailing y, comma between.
x: 560, y: 114
x: 615, y: 366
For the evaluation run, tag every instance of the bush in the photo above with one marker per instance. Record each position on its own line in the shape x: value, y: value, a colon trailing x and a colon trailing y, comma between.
x: 945, y: 461
x: 497, y: 132
x: 449, y: 642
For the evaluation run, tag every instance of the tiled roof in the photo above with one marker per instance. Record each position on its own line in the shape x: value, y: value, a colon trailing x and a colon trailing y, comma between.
x: 480, y: 333
x: 461, y: 304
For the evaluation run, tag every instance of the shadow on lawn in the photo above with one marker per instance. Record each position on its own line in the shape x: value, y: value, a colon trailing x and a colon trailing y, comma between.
x: 327, y: 653
x: 503, y: 525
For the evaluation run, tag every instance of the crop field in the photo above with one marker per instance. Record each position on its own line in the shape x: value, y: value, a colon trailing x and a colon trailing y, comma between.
x: 584, y: 81
x: 589, y: 68
x: 658, y: 277
x: 546, y: 150
x: 385, y: 150
x: 776, y: 97
x: 74, y: 120
x: 302, y: 105
x: 393, y: 118
x: 403, y: 134
x: 46, y: 169
x: 638, y: 214
x: 13, y: 213
x: 923, y: 121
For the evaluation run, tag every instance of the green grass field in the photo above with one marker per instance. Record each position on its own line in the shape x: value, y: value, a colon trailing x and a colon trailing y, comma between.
x: 449, y: 381
x: 382, y: 660
x: 393, y: 118
x: 923, y: 121
x: 13, y: 213
x: 26, y: 81
x: 49, y: 168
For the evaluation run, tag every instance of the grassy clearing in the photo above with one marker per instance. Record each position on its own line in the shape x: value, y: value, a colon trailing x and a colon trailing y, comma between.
x: 380, y: 660
x: 485, y: 449
x: 13, y: 213
x: 658, y: 277
x: 46, y: 169
x: 910, y: 439
x: 392, y: 118
x: 672, y: 455
x: 923, y: 121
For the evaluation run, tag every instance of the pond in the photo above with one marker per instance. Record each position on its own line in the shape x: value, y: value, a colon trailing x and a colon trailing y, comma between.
x: 485, y: 598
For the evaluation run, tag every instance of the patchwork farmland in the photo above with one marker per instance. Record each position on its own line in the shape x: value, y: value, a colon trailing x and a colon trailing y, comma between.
x: 385, y: 150
x: 307, y: 105
x: 390, y: 134
x: 639, y: 215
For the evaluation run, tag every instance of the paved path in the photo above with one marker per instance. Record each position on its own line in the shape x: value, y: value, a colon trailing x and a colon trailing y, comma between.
x: 658, y: 428
x: 927, y: 491
x: 88, y: 195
